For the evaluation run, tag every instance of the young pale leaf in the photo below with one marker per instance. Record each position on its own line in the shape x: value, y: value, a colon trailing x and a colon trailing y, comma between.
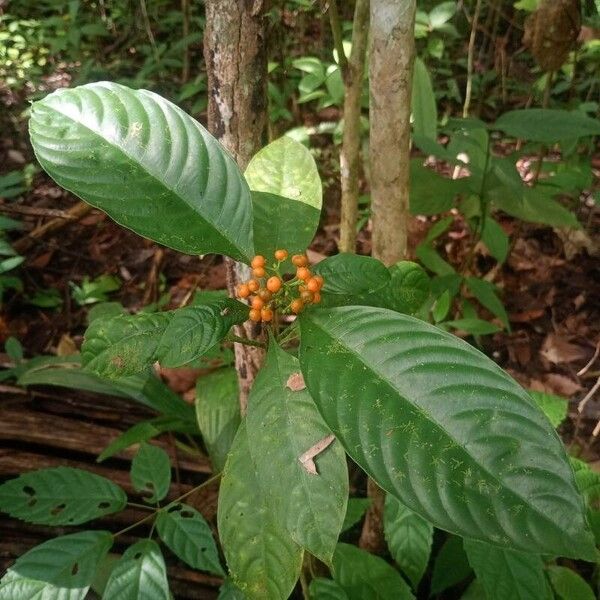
x: 547, y: 126
x: 218, y: 413
x: 507, y: 573
x: 63, y: 567
x: 355, y: 510
x: 286, y: 168
x: 424, y: 109
x: 151, y: 472
x: 146, y: 163
x: 60, y: 496
x: 363, y: 575
x: 554, y: 407
x: 282, y: 424
x: 141, y: 573
x: 408, y: 537
x: 568, y: 585
x: 439, y: 425
x: 326, y: 589
x: 125, y: 345
x: 184, y: 530
x: 263, y: 560
x: 451, y: 566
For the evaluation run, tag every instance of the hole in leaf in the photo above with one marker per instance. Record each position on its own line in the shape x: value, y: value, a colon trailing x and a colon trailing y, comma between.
x: 203, y: 549
x: 175, y: 508
x: 58, y: 509
x: 104, y: 504
x: 32, y: 502
x: 187, y: 514
x: 137, y: 555
x: 75, y: 569
x: 29, y: 490
x: 149, y: 485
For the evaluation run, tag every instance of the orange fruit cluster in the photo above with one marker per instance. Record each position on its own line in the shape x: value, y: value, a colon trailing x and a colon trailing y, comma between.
x: 268, y: 291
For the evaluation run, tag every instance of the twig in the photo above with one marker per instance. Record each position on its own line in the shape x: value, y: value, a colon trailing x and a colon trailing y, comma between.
x: 34, y: 211
x: 588, y: 396
x: 336, y: 31
x: 587, y: 367
x: 470, y: 54
x: 246, y: 341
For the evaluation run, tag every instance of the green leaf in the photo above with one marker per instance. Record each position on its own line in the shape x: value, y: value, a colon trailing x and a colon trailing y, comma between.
x: 286, y: 168
x: 495, y: 239
x: 547, y: 125
x: 424, y: 109
x: 554, y: 407
x: 229, y: 591
x: 141, y: 573
x: 433, y: 261
x: 475, y: 591
x: 326, y: 589
x: 473, y: 326
x: 151, y: 472
x: 14, y: 349
x: 125, y: 345
x: 485, y: 292
x: 507, y: 573
x: 352, y: 274
x: 263, y: 560
x: 184, y: 530
x: 355, y: 510
x: 282, y: 223
x: 568, y: 585
x: 60, y: 496
x: 218, y: 413
x: 450, y: 567
x: 61, y: 568
x: 441, y: 14
x: 430, y: 193
x: 363, y: 575
x: 437, y: 424
x: 408, y: 537
x: 147, y: 164
x: 283, y: 424
x: 588, y: 482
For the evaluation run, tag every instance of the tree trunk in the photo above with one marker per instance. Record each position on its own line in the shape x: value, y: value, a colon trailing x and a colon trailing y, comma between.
x: 350, y: 152
x: 236, y: 63
x: 390, y: 73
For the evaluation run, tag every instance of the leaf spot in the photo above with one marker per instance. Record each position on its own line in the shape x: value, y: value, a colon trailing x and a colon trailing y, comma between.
x: 307, y: 459
x: 295, y: 382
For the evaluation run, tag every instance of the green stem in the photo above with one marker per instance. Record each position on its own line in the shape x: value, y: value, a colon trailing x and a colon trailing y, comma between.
x: 241, y: 340
x: 336, y: 31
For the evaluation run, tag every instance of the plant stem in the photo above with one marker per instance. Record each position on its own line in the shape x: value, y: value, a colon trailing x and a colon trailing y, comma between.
x: 246, y: 341
x: 167, y: 506
x: 336, y: 31
x: 470, y: 54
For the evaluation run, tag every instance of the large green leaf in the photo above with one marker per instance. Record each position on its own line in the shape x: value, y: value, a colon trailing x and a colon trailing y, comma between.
x: 60, y: 496
x: 62, y: 568
x: 569, y: 585
x: 147, y: 164
x: 283, y: 424
x: 431, y: 193
x: 151, y: 472
x: 424, y: 109
x: 124, y: 345
x: 286, y: 168
x: 355, y: 510
x: 185, y: 531
x: 547, y: 125
x: 507, y: 573
x: 451, y: 565
x: 140, y: 573
x: 363, y: 575
x: 263, y: 560
x: 326, y: 589
x: 408, y: 537
x: 218, y: 413
x: 440, y: 426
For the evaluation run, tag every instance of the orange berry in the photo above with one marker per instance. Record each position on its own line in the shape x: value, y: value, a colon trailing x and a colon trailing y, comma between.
x: 297, y: 305
x: 306, y: 296
x: 299, y: 260
x: 253, y: 285
x: 312, y: 285
x: 281, y: 254
x: 254, y: 315
x: 266, y: 314
x: 243, y: 291
x: 319, y: 280
x: 264, y: 294
x: 274, y: 284
x: 257, y: 262
x: 257, y: 303
x: 303, y: 273
x: 258, y: 272
x: 316, y: 297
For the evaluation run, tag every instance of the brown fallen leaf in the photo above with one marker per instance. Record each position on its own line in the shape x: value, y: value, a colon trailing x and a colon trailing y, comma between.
x: 307, y: 459
x: 558, y: 349
x: 295, y: 382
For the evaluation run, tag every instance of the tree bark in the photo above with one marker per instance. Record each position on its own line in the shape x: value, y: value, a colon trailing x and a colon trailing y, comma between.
x: 350, y: 152
x: 390, y: 73
x: 236, y: 63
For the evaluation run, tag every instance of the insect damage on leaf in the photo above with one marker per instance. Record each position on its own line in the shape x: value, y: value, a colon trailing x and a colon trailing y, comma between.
x: 295, y: 382
x: 307, y: 459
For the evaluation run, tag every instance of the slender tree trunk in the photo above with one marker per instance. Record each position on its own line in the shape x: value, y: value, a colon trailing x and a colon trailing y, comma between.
x: 236, y: 63
x: 390, y: 73
x: 350, y: 153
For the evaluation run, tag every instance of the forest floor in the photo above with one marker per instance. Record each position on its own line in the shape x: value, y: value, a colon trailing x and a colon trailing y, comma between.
x: 550, y: 283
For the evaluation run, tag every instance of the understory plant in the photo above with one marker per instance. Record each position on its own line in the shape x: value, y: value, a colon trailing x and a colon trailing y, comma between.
x: 348, y: 371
